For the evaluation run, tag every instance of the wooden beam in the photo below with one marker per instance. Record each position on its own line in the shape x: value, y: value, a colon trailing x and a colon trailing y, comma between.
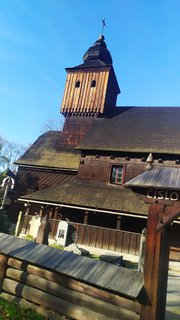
x: 156, y: 267
x: 3, y: 267
x: 168, y: 219
x: 86, y: 214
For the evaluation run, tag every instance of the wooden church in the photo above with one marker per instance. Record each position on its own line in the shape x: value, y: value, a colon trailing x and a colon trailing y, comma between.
x: 81, y: 172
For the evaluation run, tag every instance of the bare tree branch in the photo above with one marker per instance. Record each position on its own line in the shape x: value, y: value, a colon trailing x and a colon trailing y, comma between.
x: 52, y: 124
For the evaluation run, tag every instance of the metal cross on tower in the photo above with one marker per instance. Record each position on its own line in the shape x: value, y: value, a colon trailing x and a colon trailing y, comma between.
x: 103, y: 25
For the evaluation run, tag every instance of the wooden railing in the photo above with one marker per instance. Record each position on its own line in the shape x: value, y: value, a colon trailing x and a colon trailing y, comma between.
x: 100, y: 237
x: 106, y: 238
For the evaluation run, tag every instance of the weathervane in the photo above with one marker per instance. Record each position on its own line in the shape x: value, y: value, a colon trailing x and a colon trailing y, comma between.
x: 103, y: 25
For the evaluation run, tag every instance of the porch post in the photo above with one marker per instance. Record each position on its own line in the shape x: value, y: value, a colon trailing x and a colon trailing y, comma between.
x: 156, y: 267
x: 86, y: 214
x: 41, y: 211
x: 118, y: 225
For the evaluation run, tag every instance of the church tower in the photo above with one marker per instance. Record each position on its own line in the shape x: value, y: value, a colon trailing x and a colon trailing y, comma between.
x: 91, y: 88
x: 90, y: 92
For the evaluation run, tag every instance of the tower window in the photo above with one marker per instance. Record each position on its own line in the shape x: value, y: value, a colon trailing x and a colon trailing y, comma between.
x: 93, y: 83
x: 117, y: 174
x: 77, y: 84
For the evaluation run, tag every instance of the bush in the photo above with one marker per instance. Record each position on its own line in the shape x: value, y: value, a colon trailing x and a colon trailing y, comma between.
x: 28, y: 237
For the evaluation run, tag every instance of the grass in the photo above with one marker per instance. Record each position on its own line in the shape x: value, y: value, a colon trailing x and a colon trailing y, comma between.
x: 131, y: 265
x: 11, y: 311
x: 56, y: 246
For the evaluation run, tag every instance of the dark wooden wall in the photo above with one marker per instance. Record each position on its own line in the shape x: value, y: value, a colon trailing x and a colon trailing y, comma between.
x: 33, y: 179
x: 97, y: 166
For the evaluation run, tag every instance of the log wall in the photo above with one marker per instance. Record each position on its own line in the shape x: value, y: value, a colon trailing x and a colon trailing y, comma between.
x: 58, y: 294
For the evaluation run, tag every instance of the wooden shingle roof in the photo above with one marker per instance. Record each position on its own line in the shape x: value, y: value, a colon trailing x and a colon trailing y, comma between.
x: 92, y: 195
x: 50, y: 151
x: 97, y: 273
x: 159, y: 178
x: 136, y: 129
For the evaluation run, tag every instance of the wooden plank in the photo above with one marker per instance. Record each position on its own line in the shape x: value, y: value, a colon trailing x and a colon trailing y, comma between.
x: 126, y: 240
x: 104, y: 85
x: 82, y: 100
x: 105, y: 241
x: 8, y: 243
x: 87, y: 235
x: 97, y: 86
x: 86, y: 100
x: 81, y: 233
x: 26, y: 251
x: 99, y: 238
x: 132, y: 243
x: 119, y: 240
x: 138, y: 244
x: 93, y: 236
x: 72, y: 83
x: 112, y: 240
x: 81, y: 91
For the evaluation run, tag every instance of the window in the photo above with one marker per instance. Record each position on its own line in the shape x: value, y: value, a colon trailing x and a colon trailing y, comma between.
x: 93, y: 83
x: 77, y: 84
x: 116, y: 174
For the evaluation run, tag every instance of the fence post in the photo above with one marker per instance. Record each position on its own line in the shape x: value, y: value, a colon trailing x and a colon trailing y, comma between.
x: 3, y: 267
x: 142, y: 251
x: 19, y: 223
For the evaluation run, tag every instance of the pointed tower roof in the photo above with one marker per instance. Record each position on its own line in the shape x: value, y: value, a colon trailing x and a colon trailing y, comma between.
x: 96, y: 56
x: 98, y: 51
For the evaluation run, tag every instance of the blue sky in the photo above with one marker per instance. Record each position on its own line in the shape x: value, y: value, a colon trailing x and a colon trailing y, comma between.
x: 39, y: 38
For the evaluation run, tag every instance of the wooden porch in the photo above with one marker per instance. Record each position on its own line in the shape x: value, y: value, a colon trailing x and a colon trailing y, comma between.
x: 95, y: 236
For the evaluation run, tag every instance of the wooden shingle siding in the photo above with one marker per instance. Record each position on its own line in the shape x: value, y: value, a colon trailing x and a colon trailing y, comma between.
x: 85, y: 98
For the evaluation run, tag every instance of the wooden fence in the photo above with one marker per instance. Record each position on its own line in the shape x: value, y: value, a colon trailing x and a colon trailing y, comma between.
x: 105, y: 238
x: 64, y: 283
